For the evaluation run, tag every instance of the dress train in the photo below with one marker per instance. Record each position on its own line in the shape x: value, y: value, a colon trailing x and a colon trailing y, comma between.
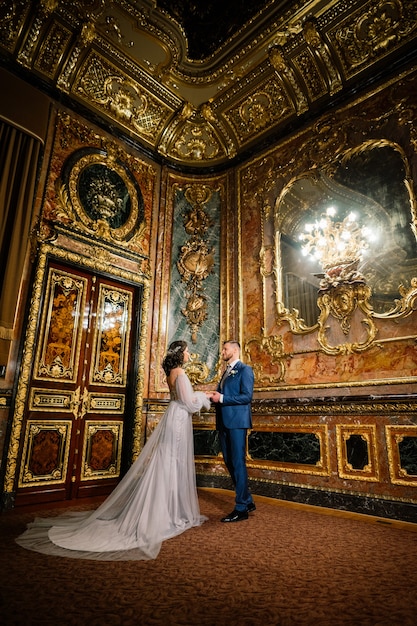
x: 156, y: 499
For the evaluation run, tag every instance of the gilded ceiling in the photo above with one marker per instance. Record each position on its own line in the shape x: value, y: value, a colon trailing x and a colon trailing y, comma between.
x: 200, y: 84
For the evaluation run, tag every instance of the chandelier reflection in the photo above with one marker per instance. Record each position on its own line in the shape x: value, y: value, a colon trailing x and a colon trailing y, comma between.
x: 338, y: 246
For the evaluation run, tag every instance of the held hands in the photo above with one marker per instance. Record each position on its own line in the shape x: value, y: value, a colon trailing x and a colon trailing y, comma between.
x: 214, y: 396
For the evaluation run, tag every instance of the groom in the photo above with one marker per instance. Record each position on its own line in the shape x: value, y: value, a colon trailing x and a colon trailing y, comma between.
x: 233, y: 418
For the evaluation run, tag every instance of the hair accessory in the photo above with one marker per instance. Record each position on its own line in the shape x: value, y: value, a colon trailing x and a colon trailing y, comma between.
x: 174, y: 350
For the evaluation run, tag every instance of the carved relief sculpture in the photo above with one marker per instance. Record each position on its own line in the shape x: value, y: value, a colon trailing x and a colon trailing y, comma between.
x: 196, y: 259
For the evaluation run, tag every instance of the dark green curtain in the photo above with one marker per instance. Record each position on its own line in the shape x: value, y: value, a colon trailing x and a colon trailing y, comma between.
x: 19, y: 153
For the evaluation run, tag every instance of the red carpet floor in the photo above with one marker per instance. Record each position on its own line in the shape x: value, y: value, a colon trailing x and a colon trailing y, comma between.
x: 287, y: 565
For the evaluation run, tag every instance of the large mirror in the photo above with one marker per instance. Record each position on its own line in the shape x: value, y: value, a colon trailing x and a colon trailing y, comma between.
x: 370, y: 185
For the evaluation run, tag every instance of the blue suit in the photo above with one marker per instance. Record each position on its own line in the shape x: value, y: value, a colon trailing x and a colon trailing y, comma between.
x: 233, y: 418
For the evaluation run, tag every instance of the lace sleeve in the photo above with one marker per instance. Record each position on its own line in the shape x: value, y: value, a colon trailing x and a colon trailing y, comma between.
x: 192, y: 400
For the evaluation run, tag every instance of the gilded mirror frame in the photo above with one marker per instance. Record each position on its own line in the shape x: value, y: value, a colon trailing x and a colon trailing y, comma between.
x: 287, y: 219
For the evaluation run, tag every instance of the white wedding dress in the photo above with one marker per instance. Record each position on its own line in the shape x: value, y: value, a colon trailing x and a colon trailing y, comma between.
x: 156, y: 499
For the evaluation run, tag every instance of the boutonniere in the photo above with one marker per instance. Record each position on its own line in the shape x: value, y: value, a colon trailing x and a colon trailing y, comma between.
x: 233, y: 372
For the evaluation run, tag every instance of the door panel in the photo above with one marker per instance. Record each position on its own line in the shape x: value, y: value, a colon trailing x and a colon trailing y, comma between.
x: 75, y: 418
x: 104, y: 387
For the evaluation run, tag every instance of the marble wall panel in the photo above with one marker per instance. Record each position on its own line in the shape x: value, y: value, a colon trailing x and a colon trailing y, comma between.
x: 206, y: 340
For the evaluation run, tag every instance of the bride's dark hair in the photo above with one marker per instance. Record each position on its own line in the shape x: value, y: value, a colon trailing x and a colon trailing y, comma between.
x: 174, y: 357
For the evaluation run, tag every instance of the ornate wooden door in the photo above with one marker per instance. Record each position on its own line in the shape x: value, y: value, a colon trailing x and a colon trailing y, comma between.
x: 79, y: 404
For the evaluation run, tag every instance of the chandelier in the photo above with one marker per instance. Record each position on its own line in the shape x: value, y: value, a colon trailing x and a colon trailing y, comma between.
x: 335, y: 244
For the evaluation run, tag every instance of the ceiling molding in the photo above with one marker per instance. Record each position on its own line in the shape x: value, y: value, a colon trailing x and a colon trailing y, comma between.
x: 126, y: 61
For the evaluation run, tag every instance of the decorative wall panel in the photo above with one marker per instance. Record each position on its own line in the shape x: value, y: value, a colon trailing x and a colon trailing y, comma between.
x: 255, y: 114
x: 111, y: 337
x: 292, y: 448
x: 373, y: 31
x: 357, y: 454
x: 11, y: 22
x: 45, y: 453
x: 61, y: 327
x: 53, y: 49
x: 102, y: 449
x: 193, y: 275
x: 51, y: 400
x: 402, y: 454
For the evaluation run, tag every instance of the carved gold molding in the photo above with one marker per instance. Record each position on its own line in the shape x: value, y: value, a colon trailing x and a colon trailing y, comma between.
x: 60, y: 431
x: 94, y: 209
x: 101, y: 460
x: 367, y: 435
x: 395, y: 436
x: 341, y: 302
x: 374, y: 407
x: 321, y: 468
x: 196, y: 258
x: 128, y: 63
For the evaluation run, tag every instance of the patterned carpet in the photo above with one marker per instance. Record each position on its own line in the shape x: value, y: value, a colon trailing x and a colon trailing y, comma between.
x: 288, y: 565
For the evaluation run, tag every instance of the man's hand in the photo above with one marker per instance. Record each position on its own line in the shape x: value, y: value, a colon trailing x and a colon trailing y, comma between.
x: 214, y: 396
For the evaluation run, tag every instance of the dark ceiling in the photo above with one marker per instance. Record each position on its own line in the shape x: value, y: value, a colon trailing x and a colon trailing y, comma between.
x: 208, y: 25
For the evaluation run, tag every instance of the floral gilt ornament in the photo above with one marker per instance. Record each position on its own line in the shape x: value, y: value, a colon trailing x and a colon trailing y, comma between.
x: 196, y: 259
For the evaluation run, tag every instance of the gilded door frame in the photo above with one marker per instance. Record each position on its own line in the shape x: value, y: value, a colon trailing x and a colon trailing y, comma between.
x: 99, y: 264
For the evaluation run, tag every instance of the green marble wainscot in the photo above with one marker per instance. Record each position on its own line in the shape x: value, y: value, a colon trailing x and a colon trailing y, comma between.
x: 285, y: 447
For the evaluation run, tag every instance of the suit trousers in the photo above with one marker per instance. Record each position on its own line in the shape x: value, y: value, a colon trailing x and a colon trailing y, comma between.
x: 233, y: 445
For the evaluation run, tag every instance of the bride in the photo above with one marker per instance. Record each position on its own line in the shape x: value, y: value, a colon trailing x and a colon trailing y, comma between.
x: 156, y: 499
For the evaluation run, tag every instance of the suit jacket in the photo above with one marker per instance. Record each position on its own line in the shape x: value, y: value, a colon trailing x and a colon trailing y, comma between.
x: 235, y: 410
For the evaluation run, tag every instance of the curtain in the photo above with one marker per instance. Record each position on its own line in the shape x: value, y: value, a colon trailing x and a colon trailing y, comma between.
x: 19, y: 153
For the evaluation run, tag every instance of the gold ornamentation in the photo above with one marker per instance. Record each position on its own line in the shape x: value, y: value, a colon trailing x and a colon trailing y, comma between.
x: 97, y: 208
x: 273, y: 347
x: 395, y: 436
x: 60, y: 335
x: 321, y: 468
x: 106, y: 402
x: 45, y: 440
x: 120, y: 98
x: 341, y: 302
x: 319, y: 48
x: 355, y: 408
x: 111, y: 338
x: 406, y: 304
x: 196, y: 259
x: 42, y: 13
x: 102, y: 450
x: 125, y: 101
x: 197, y: 371
x: 283, y: 69
x: 342, y: 272
x: 371, y: 33
x: 367, y: 435
x: 322, y: 45
x: 46, y: 400
x: 197, y: 142
x: 256, y: 113
x: 12, y: 16
x: 195, y: 263
x: 52, y: 49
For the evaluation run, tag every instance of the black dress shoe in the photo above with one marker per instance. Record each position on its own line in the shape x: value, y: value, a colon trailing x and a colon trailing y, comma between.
x: 251, y: 507
x: 235, y: 516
